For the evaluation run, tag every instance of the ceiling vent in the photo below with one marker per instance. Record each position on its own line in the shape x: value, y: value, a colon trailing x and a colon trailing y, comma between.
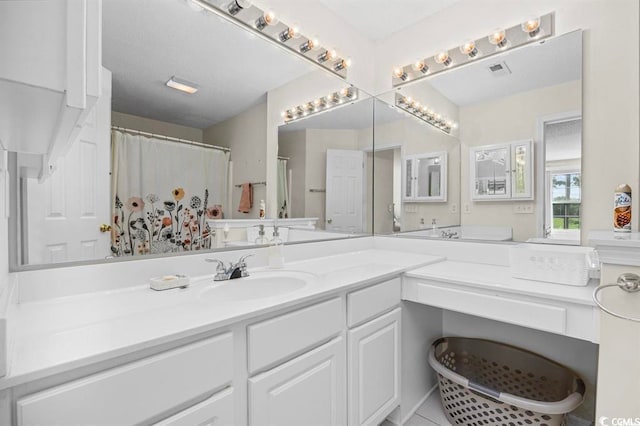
x: 499, y: 69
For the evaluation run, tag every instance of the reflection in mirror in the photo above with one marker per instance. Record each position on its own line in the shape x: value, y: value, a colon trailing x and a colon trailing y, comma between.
x: 417, y: 169
x: 325, y: 154
x: 176, y: 144
x: 518, y: 118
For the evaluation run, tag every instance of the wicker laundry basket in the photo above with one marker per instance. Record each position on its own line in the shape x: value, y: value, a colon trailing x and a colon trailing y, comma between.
x: 489, y: 383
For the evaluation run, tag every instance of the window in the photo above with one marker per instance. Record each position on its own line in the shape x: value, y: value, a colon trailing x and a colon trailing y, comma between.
x: 565, y: 199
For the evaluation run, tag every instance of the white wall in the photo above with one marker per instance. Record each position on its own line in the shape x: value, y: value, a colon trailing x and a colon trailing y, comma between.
x: 304, y: 89
x: 294, y: 146
x: 149, y: 125
x: 506, y: 120
x: 610, y: 87
x: 307, y: 151
x: 245, y: 135
x: 416, y: 137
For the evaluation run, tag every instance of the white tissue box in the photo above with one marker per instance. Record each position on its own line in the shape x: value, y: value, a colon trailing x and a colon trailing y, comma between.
x: 566, y: 265
x: 169, y: 281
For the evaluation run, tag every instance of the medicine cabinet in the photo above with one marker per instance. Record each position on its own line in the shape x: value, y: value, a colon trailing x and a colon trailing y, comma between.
x: 502, y: 171
x: 425, y: 177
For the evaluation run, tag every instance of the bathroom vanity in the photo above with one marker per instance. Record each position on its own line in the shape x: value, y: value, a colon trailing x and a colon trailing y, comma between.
x: 327, y: 348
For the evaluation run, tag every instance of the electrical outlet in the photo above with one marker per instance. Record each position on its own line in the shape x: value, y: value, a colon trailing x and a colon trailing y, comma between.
x: 454, y: 208
x: 410, y: 208
x: 467, y: 208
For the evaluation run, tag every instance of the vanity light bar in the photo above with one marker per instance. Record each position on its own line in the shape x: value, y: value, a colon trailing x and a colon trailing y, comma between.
x: 424, y: 113
x: 500, y: 40
x: 322, y: 104
x: 266, y: 25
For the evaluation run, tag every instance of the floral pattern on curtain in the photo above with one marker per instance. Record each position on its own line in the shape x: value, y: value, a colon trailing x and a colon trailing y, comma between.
x: 151, y: 212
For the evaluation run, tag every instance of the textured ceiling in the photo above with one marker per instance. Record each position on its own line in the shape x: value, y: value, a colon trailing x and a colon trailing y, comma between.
x: 378, y: 19
x: 145, y: 42
x: 554, y: 61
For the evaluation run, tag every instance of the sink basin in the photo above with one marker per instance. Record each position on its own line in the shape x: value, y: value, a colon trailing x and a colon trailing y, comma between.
x: 259, y: 285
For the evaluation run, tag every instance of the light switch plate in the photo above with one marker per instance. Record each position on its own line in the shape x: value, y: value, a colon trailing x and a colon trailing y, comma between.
x: 523, y: 208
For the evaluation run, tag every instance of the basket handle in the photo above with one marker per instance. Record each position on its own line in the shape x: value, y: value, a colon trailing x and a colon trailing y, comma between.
x: 567, y: 405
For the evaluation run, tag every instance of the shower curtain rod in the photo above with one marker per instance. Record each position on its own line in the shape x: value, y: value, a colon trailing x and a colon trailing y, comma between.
x: 170, y: 138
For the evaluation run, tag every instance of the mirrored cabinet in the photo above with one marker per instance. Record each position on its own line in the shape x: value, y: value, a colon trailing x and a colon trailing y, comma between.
x: 425, y: 177
x: 502, y: 171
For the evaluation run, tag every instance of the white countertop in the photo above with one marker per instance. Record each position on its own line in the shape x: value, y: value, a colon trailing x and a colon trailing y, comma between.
x: 58, y: 335
x: 493, y: 277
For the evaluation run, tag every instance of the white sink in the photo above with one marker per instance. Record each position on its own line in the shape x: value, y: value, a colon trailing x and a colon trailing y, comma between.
x: 259, y: 285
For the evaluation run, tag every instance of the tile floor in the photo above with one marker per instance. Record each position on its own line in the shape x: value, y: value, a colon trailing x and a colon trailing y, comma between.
x: 430, y: 413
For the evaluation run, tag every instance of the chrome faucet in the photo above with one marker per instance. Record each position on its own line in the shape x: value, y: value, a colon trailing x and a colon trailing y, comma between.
x: 233, y: 271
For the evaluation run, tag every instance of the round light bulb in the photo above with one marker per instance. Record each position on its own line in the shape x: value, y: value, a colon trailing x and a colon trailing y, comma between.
x: 469, y: 48
x: 531, y: 26
x: 398, y: 72
x: 443, y: 59
x: 498, y: 38
x: 294, y: 31
x: 310, y: 44
x: 270, y: 18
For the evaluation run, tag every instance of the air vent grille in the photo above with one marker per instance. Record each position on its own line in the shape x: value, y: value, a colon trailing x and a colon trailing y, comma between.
x: 499, y: 69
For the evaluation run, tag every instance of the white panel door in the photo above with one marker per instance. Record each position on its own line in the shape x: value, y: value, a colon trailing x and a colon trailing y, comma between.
x: 309, y: 390
x: 66, y: 210
x: 374, y: 369
x: 345, y: 170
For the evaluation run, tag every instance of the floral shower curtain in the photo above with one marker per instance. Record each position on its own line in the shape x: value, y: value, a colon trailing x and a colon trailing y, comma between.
x: 283, y: 190
x: 163, y: 192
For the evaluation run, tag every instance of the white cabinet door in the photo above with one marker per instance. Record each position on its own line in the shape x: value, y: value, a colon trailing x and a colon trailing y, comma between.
x: 309, y: 390
x: 374, y: 369
x: 522, y: 170
x: 502, y: 171
x: 425, y: 177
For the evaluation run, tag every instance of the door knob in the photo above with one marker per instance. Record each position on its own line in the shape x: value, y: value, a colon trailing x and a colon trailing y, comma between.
x: 329, y: 221
x: 105, y: 228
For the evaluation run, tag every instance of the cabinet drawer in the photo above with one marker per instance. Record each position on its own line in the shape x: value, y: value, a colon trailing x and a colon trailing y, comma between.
x: 215, y: 411
x: 282, y: 337
x: 135, y: 392
x: 369, y: 302
x: 520, y: 312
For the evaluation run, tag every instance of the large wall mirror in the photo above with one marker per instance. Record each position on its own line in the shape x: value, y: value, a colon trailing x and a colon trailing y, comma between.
x: 513, y: 145
x: 156, y: 169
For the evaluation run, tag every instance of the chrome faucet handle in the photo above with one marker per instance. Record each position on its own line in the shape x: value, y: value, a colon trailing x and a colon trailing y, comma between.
x: 221, y: 270
x: 242, y: 264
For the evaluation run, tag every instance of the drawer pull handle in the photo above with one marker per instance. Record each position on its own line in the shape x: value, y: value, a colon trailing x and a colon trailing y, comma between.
x: 627, y: 282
